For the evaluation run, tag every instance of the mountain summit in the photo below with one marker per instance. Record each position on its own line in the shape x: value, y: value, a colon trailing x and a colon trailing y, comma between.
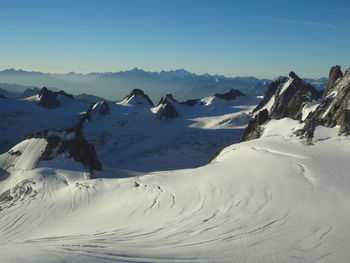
x: 293, y: 98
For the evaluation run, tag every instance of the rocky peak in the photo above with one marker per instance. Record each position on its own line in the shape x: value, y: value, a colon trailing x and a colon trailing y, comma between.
x: 101, y: 108
x: 293, y: 75
x: 332, y: 110
x: 285, y: 97
x: 137, y: 96
x: 334, y: 75
x: 269, y: 93
x: 68, y: 144
x: 49, y: 99
x: 167, y: 107
x: 168, y: 98
x: 231, y: 95
x: 290, y: 98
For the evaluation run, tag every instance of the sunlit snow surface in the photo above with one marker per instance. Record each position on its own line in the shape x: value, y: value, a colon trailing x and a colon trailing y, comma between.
x: 131, y: 138
x: 268, y: 200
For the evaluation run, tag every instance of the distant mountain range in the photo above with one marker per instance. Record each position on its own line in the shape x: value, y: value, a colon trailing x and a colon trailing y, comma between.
x: 114, y: 85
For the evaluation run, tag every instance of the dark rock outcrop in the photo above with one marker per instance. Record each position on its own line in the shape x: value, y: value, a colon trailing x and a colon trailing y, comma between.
x: 231, y: 95
x: 69, y: 143
x: 269, y: 92
x: 167, y: 108
x: 102, y: 108
x: 253, y: 130
x: 289, y: 95
x: 286, y: 98
x: 2, y: 96
x: 138, y: 93
x: 290, y: 100
x: 334, y: 75
x: 48, y: 98
x: 332, y: 111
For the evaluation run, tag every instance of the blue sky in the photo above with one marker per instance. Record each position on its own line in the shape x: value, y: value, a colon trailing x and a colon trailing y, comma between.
x: 234, y: 38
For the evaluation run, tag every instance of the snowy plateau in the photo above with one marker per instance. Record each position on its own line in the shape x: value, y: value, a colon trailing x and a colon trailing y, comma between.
x: 226, y: 178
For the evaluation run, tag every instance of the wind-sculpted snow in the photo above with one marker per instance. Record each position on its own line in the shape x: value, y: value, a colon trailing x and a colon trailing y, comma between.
x: 273, y: 199
x: 267, y: 200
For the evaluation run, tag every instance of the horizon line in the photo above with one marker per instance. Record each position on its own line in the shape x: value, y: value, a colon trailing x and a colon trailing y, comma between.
x: 146, y: 71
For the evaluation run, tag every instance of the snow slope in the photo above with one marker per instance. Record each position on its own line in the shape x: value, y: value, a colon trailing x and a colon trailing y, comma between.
x: 268, y: 200
x: 20, y: 117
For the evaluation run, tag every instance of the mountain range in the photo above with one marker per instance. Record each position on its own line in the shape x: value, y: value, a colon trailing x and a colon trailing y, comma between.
x: 114, y: 85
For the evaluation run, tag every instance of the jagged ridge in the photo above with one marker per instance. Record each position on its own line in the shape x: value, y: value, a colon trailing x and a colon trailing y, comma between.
x: 283, y: 98
x: 68, y: 143
x: 49, y: 99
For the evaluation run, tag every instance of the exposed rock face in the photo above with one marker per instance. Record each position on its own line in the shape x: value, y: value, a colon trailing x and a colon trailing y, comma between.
x: 288, y: 98
x: 334, y: 75
x: 231, y: 95
x: 69, y: 143
x: 332, y: 111
x: 283, y: 98
x: 137, y: 96
x: 269, y: 92
x: 291, y: 97
x: 253, y: 131
x: 167, y: 108
x: 48, y: 98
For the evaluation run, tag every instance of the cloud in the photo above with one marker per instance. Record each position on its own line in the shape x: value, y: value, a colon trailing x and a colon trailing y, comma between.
x: 305, y: 23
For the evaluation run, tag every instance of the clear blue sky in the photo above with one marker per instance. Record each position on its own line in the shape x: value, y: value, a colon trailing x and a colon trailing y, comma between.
x: 234, y: 38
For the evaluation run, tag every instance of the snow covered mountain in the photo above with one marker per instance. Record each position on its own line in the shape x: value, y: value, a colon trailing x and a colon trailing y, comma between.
x: 179, y: 187
x: 298, y: 100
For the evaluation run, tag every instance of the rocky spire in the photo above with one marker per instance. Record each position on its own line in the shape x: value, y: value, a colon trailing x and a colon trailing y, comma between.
x: 333, y: 110
x: 290, y: 98
x: 48, y: 98
x: 137, y: 96
x: 269, y: 92
x: 231, y: 95
x: 334, y: 75
x: 283, y: 98
x: 166, y: 108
